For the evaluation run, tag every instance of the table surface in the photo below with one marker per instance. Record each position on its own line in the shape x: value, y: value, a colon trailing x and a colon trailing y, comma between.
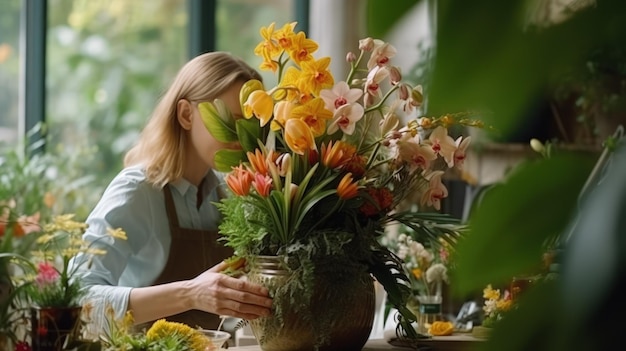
x: 437, y: 343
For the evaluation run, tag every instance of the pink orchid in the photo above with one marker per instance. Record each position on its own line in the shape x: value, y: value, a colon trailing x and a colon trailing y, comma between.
x: 415, y: 154
x: 459, y: 153
x: 443, y: 144
x: 381, y: 54
x: 436, y: 191
x: 340, y: 95
x: 345, y: 118
x: 374, y: 78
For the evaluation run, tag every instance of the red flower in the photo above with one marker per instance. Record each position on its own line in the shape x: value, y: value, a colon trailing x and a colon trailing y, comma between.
x: 46, y: 274
x: 380, y: 203
x: 22, y: 346
x: 42, y: 330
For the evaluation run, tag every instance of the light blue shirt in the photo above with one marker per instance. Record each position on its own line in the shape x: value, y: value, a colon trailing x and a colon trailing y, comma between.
x: 137, y: 207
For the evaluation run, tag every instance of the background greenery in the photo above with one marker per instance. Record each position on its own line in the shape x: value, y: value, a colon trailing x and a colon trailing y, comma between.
x: 488, y: 57
x: 107, y: 64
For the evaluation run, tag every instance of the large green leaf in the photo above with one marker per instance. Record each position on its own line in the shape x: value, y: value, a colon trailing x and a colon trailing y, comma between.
x: 218, y: 120
x: 227, y: 158
x: 509, y: 226
x: 250, y: 132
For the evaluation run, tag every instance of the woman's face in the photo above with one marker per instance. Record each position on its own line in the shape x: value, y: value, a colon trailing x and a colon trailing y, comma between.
x: 204, y: 144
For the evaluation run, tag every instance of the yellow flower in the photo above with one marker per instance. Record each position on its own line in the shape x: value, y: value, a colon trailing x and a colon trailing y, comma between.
x: 302, y: 48
x: 192, y: 338
x: 441, y: 328
x: 282, y: 112
x: 316, y: 76
x: 285, y: 35
x: 267, y: 48
x: 259, y: 104
x: 298, y: 136
x: 490, y: 294
x: 314, y: 114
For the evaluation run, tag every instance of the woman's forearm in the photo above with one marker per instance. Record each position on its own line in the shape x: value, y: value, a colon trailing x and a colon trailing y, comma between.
x: 154, y: 302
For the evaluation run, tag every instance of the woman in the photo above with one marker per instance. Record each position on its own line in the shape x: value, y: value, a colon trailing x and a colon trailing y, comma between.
x: 169, y: 265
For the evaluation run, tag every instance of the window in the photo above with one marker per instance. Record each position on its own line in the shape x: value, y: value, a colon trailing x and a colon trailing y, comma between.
x: 9, y: 70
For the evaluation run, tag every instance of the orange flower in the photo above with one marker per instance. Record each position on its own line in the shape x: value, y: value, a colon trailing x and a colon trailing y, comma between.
x: 335, y: 155
x: 347, y: 188
x: 239, y: 180
x: 262, y: 184
x: 258, y: 161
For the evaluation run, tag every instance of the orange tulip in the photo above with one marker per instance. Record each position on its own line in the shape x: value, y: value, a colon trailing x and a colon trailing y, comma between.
x: 347, y: 189
x: 262, y: 184
x: 239, y: 180
x: 258, y: 161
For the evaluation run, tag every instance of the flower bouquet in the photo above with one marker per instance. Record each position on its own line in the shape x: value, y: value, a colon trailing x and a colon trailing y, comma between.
x: 326, y: 163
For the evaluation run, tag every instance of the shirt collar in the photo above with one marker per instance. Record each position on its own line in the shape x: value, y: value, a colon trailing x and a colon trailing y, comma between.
x: 183, y: 185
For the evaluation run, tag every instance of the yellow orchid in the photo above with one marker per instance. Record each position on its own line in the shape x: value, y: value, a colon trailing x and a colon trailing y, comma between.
x: 302, y: 48
x: 267, y: 47
x: 285, y: 35
x: 316, y: 76
x: 314, y: 114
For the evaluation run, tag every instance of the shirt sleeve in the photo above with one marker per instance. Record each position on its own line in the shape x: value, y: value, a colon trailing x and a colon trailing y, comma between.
x: 127, y: 203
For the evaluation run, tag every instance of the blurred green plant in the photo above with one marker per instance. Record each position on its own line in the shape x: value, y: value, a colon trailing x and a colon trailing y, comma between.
x: 490, y: 57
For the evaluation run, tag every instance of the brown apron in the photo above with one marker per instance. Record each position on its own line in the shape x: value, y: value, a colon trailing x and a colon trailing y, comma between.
x: 192, y: 252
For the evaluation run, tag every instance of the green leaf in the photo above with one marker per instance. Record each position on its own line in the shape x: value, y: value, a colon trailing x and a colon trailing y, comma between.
x: 381, y: 17
x: 250, y: 132
x: 487, y: 59
x: 218, y: 120
x: 508, y: 229
x: 227, y: 158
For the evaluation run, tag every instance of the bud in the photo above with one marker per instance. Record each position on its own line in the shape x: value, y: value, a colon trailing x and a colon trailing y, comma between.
x: 425, y: 122
x: 536, y: 145
x: 350, y: 57
x: 417, y: 97
x: 394, y: 75
x: 403, y: 92
x: 389, y: 123
x: 366, y: 44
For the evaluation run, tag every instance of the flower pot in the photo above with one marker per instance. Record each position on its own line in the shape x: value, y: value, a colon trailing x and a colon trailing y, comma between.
x: 339, y: 315
x: 50, y: 326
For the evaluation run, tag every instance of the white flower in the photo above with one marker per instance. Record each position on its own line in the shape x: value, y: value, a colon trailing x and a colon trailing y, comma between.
x: 437, y: 273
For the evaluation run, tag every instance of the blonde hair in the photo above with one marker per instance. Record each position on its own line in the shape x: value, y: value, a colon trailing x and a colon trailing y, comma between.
x: 161, y: 146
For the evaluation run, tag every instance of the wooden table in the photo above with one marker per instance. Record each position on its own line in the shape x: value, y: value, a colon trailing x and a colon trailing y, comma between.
x: 456, y: 342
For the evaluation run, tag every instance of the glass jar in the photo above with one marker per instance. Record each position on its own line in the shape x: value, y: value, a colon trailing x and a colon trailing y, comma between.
x: 429, y: 312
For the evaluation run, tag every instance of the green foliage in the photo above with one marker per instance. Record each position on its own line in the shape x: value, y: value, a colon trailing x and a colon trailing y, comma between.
x: 381, y: 15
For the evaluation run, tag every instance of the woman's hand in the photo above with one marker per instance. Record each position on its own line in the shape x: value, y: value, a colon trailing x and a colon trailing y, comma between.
x: 221, y: 294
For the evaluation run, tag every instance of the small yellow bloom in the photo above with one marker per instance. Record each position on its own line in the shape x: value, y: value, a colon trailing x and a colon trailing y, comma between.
x: 117, y: 233
x: 440, y: 328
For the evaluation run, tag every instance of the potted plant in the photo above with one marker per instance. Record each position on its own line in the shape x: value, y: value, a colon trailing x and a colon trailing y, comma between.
x: 323, y: 167
x: 55, y: 290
